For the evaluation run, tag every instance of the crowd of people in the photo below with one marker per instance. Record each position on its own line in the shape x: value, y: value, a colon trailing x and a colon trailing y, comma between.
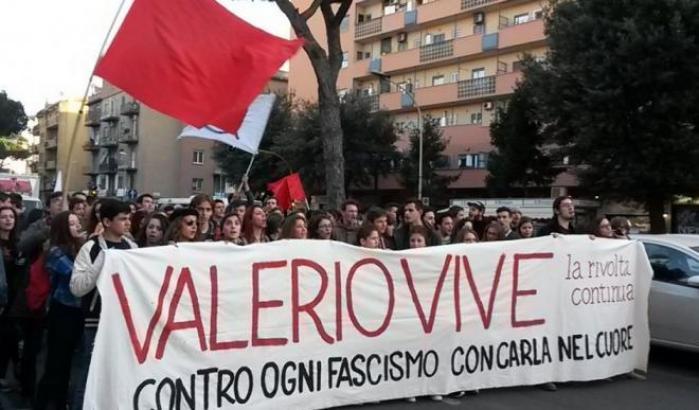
x: 65, y: 247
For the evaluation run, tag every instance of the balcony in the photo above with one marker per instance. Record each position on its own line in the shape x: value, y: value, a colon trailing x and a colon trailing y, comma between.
x: 109, y: 116
x: 367, y: 28
x: 108, y: 167
x: 130, y: 109
x: 52, y: 119
x: 107, y: 141
x: 50, y: 165
x: 436, y: 51
x: 90, y: 146
x: 93, y: 117
x: 472, y: 4
x: 128, y: 136
x: 89, y: 170
x: 128, y: 164
x: 473, y: 90
x: 373, y: 101
x: 51, y: 143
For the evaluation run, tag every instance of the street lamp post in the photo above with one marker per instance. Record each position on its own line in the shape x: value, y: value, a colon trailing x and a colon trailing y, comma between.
x: 411, y: 94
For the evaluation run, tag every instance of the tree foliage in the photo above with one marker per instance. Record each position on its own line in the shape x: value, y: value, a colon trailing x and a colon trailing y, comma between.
x: 294, y: 134
x: 434, y: 182
x: 520, y: 160
x: 15, y: 148
x: 12, y: 117
x: 619, y: 95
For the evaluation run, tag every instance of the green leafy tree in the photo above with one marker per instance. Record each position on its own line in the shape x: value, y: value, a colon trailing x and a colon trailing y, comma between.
x: 294, y: 134
x: 15, y: 148
x: 519, y: 162
x: 13, y: 120
x: 434, y: 182
x: 619, y: 96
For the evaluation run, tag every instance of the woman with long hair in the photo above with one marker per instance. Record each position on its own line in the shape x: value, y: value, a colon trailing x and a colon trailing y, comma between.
x: 94, y: 226
x: 231, y: 229
x: 295, y: 227
x: 466, y: 235
x: 152, y: 232
x: 183, y: 226
x: 254, y: 224
x: 66, y: 318
x: 204, y: 205
x: 137, y: 219
x: 273, y: 230
x: 9, y: 337
x: 602, y: 228
x: 321, y: 226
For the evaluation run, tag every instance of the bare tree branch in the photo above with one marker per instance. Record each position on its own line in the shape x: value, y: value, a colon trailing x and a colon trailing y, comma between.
x: 342, y: 11
x: 311, y: 10
x: 300, y: 26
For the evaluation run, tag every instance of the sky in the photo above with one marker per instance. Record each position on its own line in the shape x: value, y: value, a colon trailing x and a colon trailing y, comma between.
x: 49, y: 47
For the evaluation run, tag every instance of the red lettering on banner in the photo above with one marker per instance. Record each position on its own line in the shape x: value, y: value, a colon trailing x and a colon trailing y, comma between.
x: 427, y: 324
x: 309, y: 307
x: 258, y: 304
x: 529, y: 292
x: 141, y: 351
x: 391, y: 297
x: 457, y: 293
x: 184, y: 281
x: 486, y: 317
x: 338, y: 302
x: 213, y: 334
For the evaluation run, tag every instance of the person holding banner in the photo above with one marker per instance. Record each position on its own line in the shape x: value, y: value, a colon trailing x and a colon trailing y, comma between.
x: 183, y: 227
x: 231, y: 228
x: 294, y: 227
x: 152, y: 232
x: 254, y: 224
x: 368, y: 236
x: 321, y: 227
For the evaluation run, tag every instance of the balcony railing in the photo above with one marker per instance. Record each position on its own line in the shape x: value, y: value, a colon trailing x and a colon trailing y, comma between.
x: 50, y: 164
x: 128, y: 136
x: 52, y: 120
x: 436, y: 50
x: 108, y: 141
x: 51, y: 143
x: 131, y: 108
x: 128, y: 164
x: 476, y: 87
x: 367, y: 28
x: 373, y: 101
x: 93, y: 117
x: 109, y: 116
x: 108, y: 167
x: 469, y: 4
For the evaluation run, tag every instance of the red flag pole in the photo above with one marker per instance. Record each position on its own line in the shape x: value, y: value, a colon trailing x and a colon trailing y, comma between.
x: 69, y: 167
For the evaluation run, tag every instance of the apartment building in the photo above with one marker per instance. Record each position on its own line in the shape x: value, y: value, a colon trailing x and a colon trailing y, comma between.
x: 55, y: 126
x: 458, y: 60
x: 134, y: 149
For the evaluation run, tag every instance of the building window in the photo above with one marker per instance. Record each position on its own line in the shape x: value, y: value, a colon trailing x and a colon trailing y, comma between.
x: 478, y: 73
x: 345, y: 60
x: 477, y: 118
x: 521, y: 18
x: 479, y: 29
x: 197, y: 184
x: 437, y: 80
x: 455, y: 77
x: 386, y: 45
x: 517, y: 66
x: 102, y: 182
x: 120, y: 181
x: 473, y: 161
x: 198, y: 157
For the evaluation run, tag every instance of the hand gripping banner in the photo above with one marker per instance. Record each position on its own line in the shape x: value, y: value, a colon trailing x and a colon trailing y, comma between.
x: 316, y: 324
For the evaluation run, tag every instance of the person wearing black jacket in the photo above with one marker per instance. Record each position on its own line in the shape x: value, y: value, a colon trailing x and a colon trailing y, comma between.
x: 563, y: 216
x: 412, y: 215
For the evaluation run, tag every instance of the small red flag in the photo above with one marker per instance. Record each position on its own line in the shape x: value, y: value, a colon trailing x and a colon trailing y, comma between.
x: 193, y: 60
x: 287, y: 190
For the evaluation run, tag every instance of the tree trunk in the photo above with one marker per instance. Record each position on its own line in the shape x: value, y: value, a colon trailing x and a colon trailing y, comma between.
x: 656, y: 209
x: 331, y: 130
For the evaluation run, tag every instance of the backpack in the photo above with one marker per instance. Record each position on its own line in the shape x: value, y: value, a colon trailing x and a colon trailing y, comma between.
x: 39, y: 286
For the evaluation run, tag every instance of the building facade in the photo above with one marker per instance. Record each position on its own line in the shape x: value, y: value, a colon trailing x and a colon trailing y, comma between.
x: 134, y: 149
x: 458, y: 60
x: 55, y: 126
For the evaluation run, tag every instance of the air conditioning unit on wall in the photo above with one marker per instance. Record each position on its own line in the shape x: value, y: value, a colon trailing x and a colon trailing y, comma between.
x: 402, y: 37
x: 479, y: 18
x: 488, y: 105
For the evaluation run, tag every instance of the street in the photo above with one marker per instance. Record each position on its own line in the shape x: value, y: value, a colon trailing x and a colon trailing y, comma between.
x: 673, y: 383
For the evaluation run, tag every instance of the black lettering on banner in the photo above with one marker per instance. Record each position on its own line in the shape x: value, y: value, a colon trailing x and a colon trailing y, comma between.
x: 222, y: 393
x: 165, y: 382
x: 414, y: 360
x: 182, y: 393
x: 243, y: 370
x: 205, y: 373
x: 288, y: 384
x: 275, y: 377
x: 435, y: 359
x: 332, y: 370
x: 396, y: 366
x: 138, y: 391
x: 358, y: 382
x: 377, y: 358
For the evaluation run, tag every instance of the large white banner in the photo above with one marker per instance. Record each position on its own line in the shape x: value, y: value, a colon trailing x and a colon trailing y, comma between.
x: 316, y: 324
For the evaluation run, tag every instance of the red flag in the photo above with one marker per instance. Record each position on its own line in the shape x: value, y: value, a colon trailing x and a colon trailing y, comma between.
x: 287, y: 190
x: 193, y: 60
